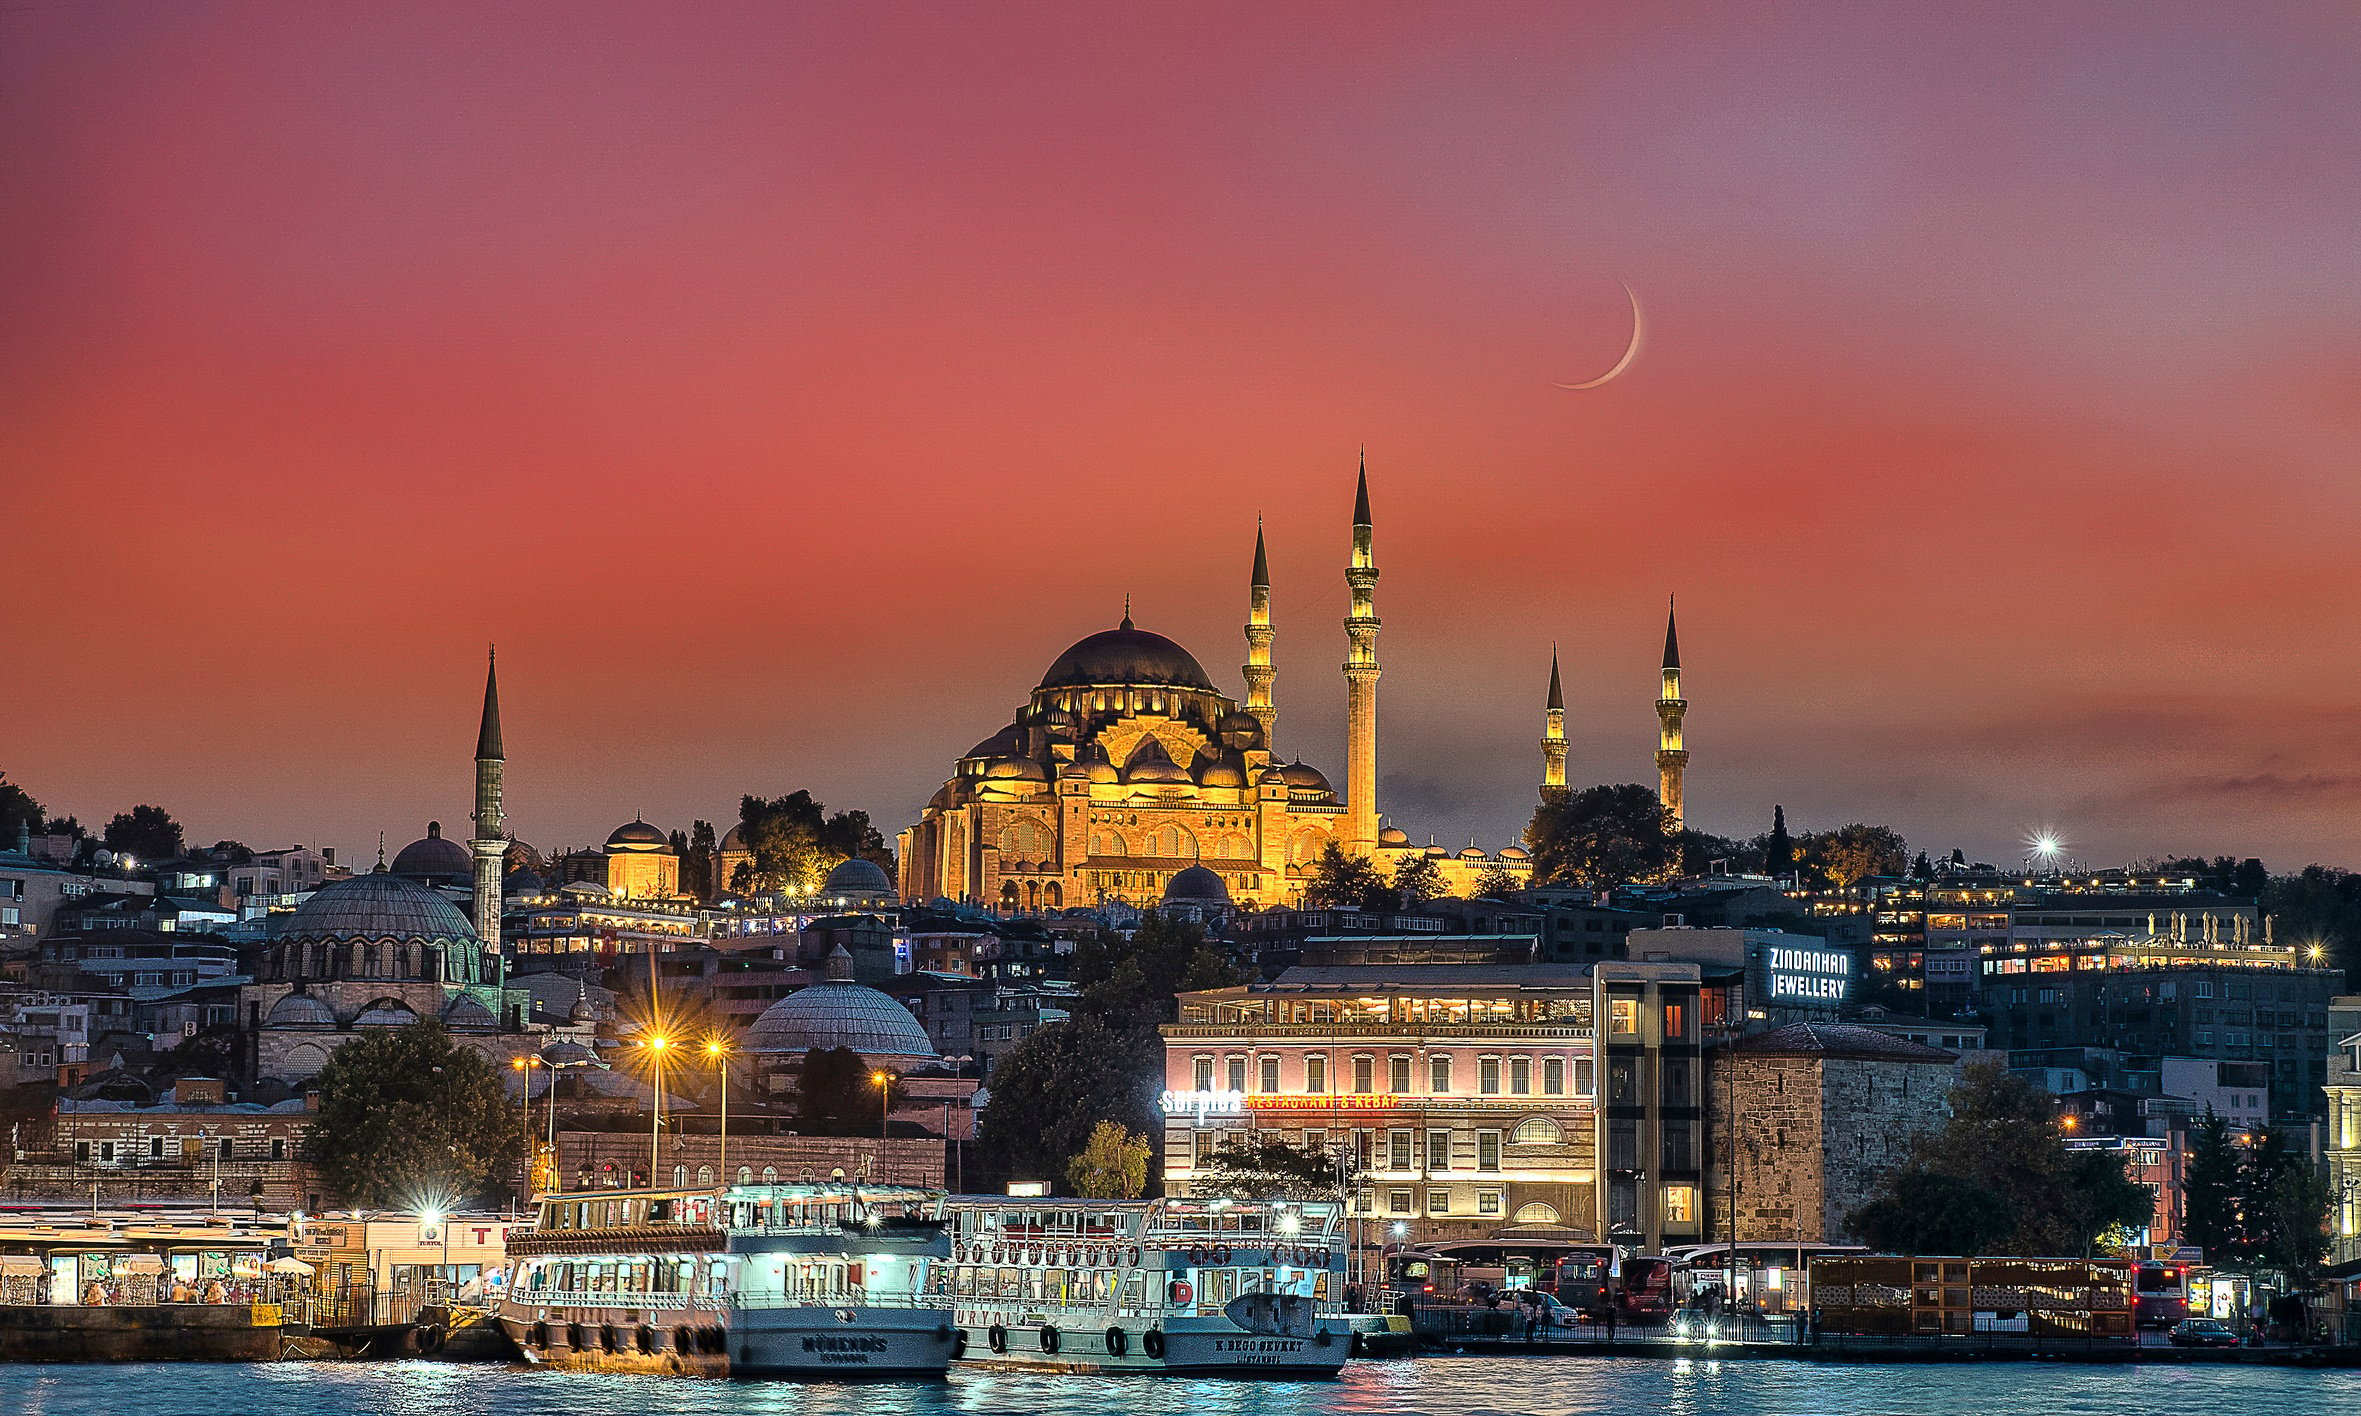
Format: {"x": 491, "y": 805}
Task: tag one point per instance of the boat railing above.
{"x": 838, "y": 1300}
{"x": 606, "y": 1298}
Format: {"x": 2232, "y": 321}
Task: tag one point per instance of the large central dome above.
{"x": 1126, "y": 656}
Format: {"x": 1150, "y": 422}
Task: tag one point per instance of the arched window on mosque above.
{"x": 1172, "y": 842}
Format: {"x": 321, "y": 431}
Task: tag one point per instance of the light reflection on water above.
{"x": 1437, "y": 1386}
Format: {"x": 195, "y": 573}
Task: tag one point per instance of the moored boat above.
{"x": 1179, "y": 1287}
{"x": 789, "y": 1280}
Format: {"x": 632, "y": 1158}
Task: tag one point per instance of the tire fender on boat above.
{"x": 996, "y": 1337}
{"x": 1152, "y": 1342}
{"x": 1117, "y": 1341}
{"x": 1049, "y": 1338}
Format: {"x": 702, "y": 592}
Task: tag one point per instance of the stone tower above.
{"x": 1360, "y": 680}
{"x": 1259, "y": 634}
{"x": 1672, "y": 757}
{"x": 1553, "y": 737}
{"x": 490, "y": 844}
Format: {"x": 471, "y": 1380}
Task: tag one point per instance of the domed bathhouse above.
{"x": 1127, "y": 767}
{"x": 367, "y": 952}
{"x": 830, "y": 1013}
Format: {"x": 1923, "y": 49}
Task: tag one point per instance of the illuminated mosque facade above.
{"x": 1128, "y": 767}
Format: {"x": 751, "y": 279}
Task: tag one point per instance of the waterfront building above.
{"x": 1464, "y": 1093}
{"x": 1810, "y": 1119}
{"x": 636, "y": 863}
{"x": 1655, "y": 1022}
{"x": 124, "y": 1143}
{"x": 2343, "y": 1135}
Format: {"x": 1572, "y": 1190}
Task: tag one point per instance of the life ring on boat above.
{"x": 1152, "y": 1342}
{"x": 1049, "y": 1338}
{"x": 1320, "y": 1259}
{"x": 996, "y": 1337}
{"x": 999, "y": 1253}
{"x": 1221, "y": 1255}
{"x": 1180, "y": 1292}
{"x": 1196, "y": 1257}
{"x": 1033, "y": 1259}
{"x": 1132, "y": 1256}
{"x": 1117, "y": 1341}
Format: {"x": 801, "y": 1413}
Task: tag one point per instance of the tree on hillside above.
{"x": 1921, "y": 1211}
{"x": 1112, "y": 1164}
{"x": 1851, "y": 854}
{"x": 697, "y": 862}
{"x": 794, "y": 843}
{"x": 407, "y": 1119}
{"x": 1262, "y": 1165}
{"x": 18, "y": 812}
{"x": 1106, "y": 1061}
{"x": 2004, "y": 1136}
{"x": 1346, "y": 882}
{"x": 1601, "y": 837}
{"x": 1778, "y": 847}
{"x": 2285, "y": 1200}
{"x": 836, "y": 1094}
{"x": 144, "y": 833}
{"x": 1495, "y": 883}
{"x": 2209, "y": 1191}
{"x": 1417, "y": 879}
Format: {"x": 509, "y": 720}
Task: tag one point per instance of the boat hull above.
{"x": 842, "y": 1343}
{"x": 1190, "y": 1348}
{"x": 687, "y": 1343}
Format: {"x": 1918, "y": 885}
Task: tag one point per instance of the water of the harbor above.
{"x": 1433, "y": 1386}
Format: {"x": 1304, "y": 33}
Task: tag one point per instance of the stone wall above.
{"x": 1815, "y": 1137}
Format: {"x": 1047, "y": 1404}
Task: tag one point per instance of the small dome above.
{"x": 1196, "y": 886}
{"x": 385, "y": 1013}
{"x": 1435, "y": 852}
{"x": 1220, "y": 772}
{"x": 1515, "y": 853}
{"x": 857, "y": 876}
{"x": 839, "y": 1013}
{"x": 1302, "y": 776}
{"x": 1475, "y": 853}
{"x": 1240, "y": 730}
{"x": 734, "y": 839}
{"x": 1151, "y": 765}
{"x": 1393, "y": 836}
{"x": 636, "y": 835}
{"x": 1126, "y": 657}
{"x": 1099, "y": 769}
{"x": 568, "y": 1054}
{"x": 375, "y": 907}
{"x": 1015, "y": 769}
{"x": 524, "y": 882}
{"x": 299, "y": 1010}
{"x": 465, "y": 1014}
{"x": 432, "y": 857}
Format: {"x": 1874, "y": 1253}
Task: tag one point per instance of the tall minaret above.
{"x": 1360, "y": 682}
{"x": 1672, "y": 758}
{"x": 490, "y": 844}
{"x": 1553, "y": 738}
{"x": 1259, "y": 634}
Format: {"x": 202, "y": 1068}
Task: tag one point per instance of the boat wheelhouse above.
{"x": 792, "y": 1280}
{"x": 1185, "y": 1287}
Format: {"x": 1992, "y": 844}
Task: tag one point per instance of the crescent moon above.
{"x": 1639, "y": 326}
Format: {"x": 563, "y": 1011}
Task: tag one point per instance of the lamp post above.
{"x": 719, "y": 1051}
{"x": 657, "y": 1045}
{"x": 524, "y": 1107}
{"x": 885, "y": 1092}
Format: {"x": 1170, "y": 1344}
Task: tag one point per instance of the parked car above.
{"x": 2200, "y": 1332}
{"x": 1547, "y": 1312}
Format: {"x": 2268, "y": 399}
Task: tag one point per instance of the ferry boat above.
{"x": 1183, "y": 1287}
{"x": 782, "y": 1280}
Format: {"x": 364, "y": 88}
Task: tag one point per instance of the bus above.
{"x": 1584, "y": 1279}
{"x": 1464, "y": 1268}
{"x": 2159, "y": 1293}
{"x": 1643, "y": 1289}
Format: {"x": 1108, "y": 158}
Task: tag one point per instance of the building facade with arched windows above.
{"x": 1465, "y": 1094}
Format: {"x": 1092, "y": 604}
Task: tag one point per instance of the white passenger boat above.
{"x": 812, "y": 1280}
{"x": 1185, "y": 1287}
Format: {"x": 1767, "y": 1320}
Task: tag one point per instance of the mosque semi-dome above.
{"x": 637, "y": 835}
{"x": 836, "y": 1012}
{"x": 1128, "y": 657}
{"x": 1153, "y": 766}
{"x": 300, "y": 1010}
{"x": 376, "y": 906}
{"x": 434, "y": 856}
{"x": 466, "y": 1014}
{"x": 1393, "y": 836}
{"x": 1220, "y": 772}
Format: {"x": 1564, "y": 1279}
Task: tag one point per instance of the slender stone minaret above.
{"x": 1553, "y": 738}
{"x": 1360, "y": 679}
{"x": 1672, "y": 758}
{"x": 1259, "y": 634}
{"x": 490, "y": 844}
